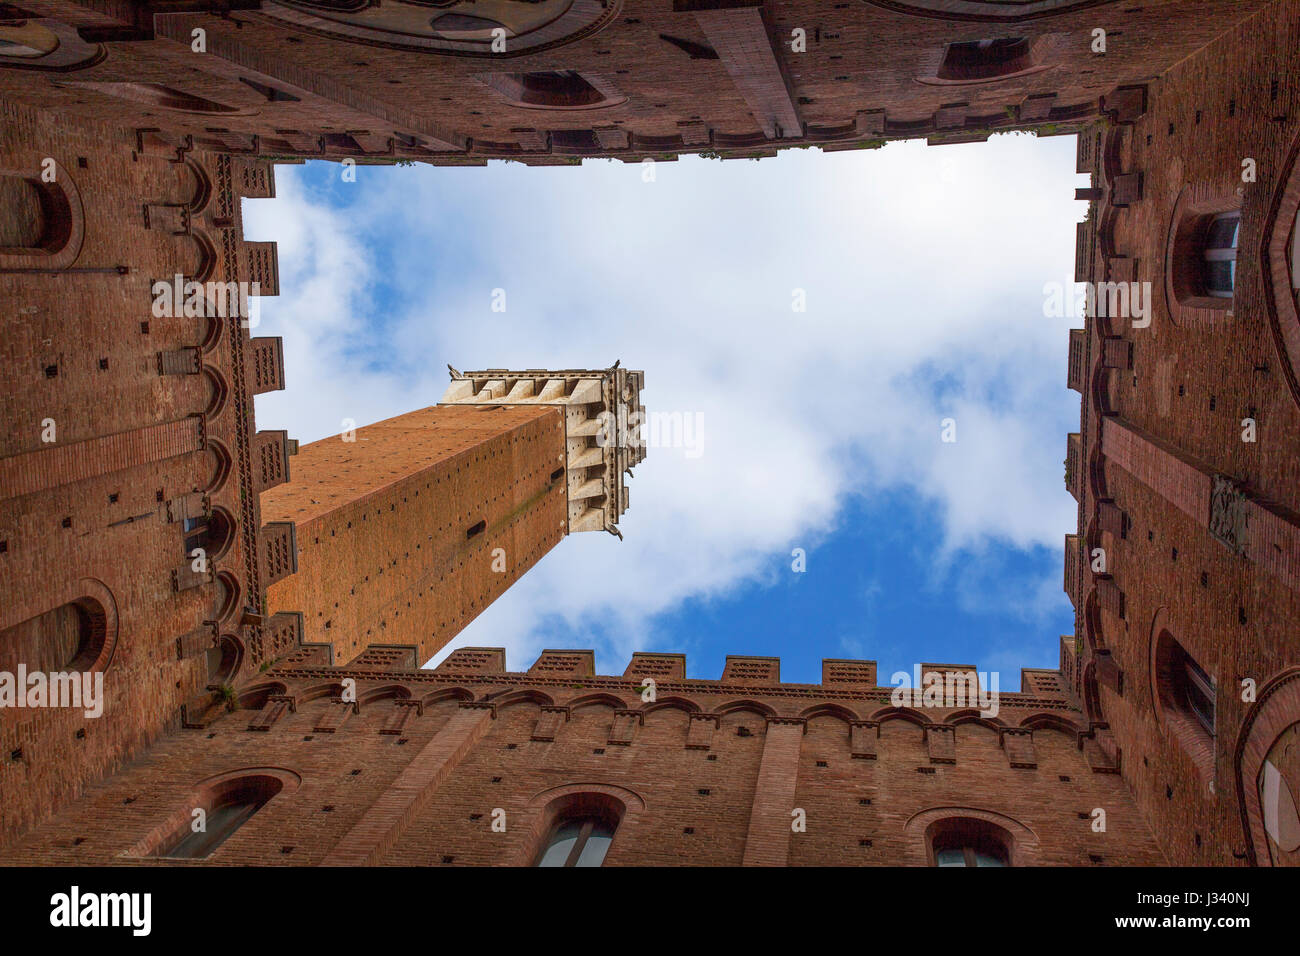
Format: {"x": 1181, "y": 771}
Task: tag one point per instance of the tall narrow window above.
{"x": 228, "y": 810}
{"x": 1277, "y": 800}
{"x": 578, "y": 841}
{"x": 152, "y": 94}
{"x": 35, "y": 217}
{"x": 68, "y": 637}
{"x": 553, "y": 89}
{"x": 1220, "y": 253}
{"x": 212, "y": 533}
{"x": 1201, "y": 254}
{"x": 1198, "y": 694}
{"x": 1185, "y": 693}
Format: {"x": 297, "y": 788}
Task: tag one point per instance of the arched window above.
{"x": 968, "y": 841}
{"x": 554, "y": 89}
{"x": 1277, "y": 801}
{"x": 226, "y": 595}
{"x": 986, "y": 59}
{"x": 221, "y": 818}
{"x": 578, "y": 841}
{"x": 1201, "y": 255}
{"x": 578, "y": 826}
{"x": 1186, "y": 694}
{"x": 217, "y": 466}
{"x": 67, "y": 638}
{"x": 35, "y": 218}
{"x": 565, "y": 88}
{"x": 1267, "y": 767}
{"x": 224, "y": 659}
{"x": 213, "y": 533}
{"x": 23, "y": 221}
{"x": 1219, "y": 251}
{"x": 226, "y": 803}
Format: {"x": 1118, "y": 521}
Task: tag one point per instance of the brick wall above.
{"x": 470, "y": 753}
{"x": 385, "y": 102}
{"x": 102, "y": 458}
{"x": 1198, "y": 524}
{"x": 385, "y": 523}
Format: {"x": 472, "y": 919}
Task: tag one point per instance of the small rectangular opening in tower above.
{"x": 474, "y": 529}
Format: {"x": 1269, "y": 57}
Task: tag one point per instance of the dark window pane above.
{"x": 221, "y": 824}
{"x": 562, "y": 843}
{"x": 593, "y": 851}
{"x": 1223, "y": 233}
{"x": 1219, "y": 276}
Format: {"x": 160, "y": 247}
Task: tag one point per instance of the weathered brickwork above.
{"x": 1193, "y": 451}
{"x": 103, "y": 457}
{"x": 468, "y": 753}
{"x": 657, "y": 78}
{"x": 390, "y": 548}
{"x": 128, "y": 440}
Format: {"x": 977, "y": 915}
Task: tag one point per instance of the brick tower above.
{"x": 408, "y": 528}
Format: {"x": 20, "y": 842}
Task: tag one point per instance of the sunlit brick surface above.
{"x": 383, "y": 523}
{"x": 1198, "y": 522}
{"x": 153, "y": 146}
{"x": 472, "y": 749}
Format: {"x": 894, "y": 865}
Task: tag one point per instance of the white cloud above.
{"x": 924, "y": 302}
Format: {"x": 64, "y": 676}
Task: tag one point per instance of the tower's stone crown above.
{"x": 602, "y": 428}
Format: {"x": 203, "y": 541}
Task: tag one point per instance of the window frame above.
{"x": 260, "y": 787}
{"x": 586, "y": 829}
{"x": 1185, "y": 698}
{"x": 1220, "y": 253}
{"x": 1199, "y": 693}
{"x": 973, "y": 837}
{"x": 970, "y": 857}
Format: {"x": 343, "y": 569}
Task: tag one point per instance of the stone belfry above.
{"x": 408, "y": 528}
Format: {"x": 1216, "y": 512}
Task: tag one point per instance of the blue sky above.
{"x": 923, "y": 271}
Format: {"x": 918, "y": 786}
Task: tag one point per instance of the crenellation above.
{"x": 261, "y": 613}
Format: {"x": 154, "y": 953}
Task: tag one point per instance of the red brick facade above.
{"x": 706, "y": 773}
{"x": 1192, "y": 485}
{"x": 95, "y": 493}
{"x": 449, "y": 500}
{"x": 280, "y": 667}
